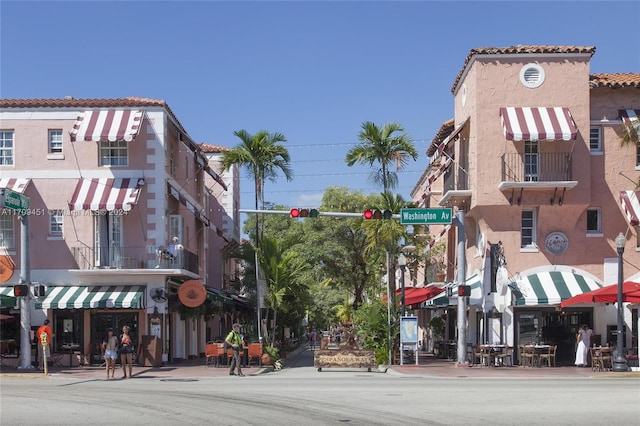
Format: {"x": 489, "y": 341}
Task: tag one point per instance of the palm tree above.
{"x": 282, "y": 269}
{"x": 631, "y": 136}
{"x": 262, "y": 155}
{"x": 384, "y": 146}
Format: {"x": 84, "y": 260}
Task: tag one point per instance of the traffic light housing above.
{"x": 377, "y": 214}
{"x": 464, "y": 290}
{"x": 298, "y": 212}
{"x": 21, "y": 290}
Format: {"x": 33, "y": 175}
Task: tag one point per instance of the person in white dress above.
{"x": 584, "y": 341}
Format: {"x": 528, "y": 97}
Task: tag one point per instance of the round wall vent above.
{"x": 532, "y": 75}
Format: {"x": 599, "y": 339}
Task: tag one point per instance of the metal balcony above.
{"x": 546, "y": 167}
{"x": 116, "y": 257}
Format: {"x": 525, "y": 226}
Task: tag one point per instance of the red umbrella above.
{"x": 608, "y": 294}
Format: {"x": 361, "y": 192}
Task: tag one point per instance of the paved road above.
{"x": 301, "y": 394}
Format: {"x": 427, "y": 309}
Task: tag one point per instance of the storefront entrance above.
{"x": 101, "y": 322}
{"x": 552, "y": 327}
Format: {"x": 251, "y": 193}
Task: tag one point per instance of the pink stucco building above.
{"x": 533, "y": 157}
{"x": 111, "y": 184}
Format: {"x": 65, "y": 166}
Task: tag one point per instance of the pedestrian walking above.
{"x": 584, "y": 341}
{"x": 234, "y": 340}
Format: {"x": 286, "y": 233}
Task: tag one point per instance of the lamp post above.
{"x": 620, "y": 362}
{"x": 402, "y": 262}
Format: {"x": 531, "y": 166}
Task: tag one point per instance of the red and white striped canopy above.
{"x": 107, "y": 125}
{"x": 17, "y": 185}
{"x": 105, "y": 194}
{"x": 630, "y": 206}
{"x": 525, "y": 123}
{"x": 438, "y": 237}
{"x": 446, "y": 162}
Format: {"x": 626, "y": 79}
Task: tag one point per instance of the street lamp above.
{"x": 620, "y": 362}
{"x": 402, "y": 262}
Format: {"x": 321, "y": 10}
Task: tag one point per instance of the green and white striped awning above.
{"x": 443, "y": 300}
{"x": 85, "y": 297}
{"x": 7, "y": 299}
{"x": 551, "y": 287}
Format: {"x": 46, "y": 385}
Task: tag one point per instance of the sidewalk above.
{"x": 303, "y": 357}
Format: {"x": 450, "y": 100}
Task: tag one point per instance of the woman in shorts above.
{"x": 110, "y": 345}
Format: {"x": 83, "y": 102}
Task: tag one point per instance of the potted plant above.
{"x": 437, "y": 327}
{"x": 270, "y": 355}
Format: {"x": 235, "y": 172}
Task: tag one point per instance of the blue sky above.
{"x": 313, "y": 71}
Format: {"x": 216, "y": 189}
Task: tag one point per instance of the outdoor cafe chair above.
{"x": 505, "y": 358}
{"x": 527, "y": 355}
{"x": 549, "y": 357}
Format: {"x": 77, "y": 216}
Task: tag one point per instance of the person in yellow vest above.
{"x": 44, "y": 342}
{"x": 234, "y": 340}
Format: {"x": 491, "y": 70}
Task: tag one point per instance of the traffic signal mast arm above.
{"x": 320, "y": 213}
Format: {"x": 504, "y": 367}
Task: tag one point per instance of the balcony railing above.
{"x": 547, "y": 167}
{"x": 116, "y": 257}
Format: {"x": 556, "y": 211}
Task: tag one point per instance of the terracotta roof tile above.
{"x": 70, "y": 102}
{"x": 615, "y": 80}
{"x": 520, "y": 49}
{"x": 213, "y": 149}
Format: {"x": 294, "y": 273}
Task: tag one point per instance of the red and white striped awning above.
{"x": 437, "y": 238}
{"x": 439, "y": 171}
{"x": 17, "y": 185}
{"x": 630, "y": 206}
{"x": 105, "y": 194}
{"x": 196, "y": 210}
{"x": 525, "y": 123}
{"x": 107, "y": 125}
{"x": 630, "y": 116}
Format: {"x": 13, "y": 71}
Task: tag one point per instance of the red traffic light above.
{"x": 21, "y": 290}
{"x": 298, "y": 212}
{"x": 377, "y": 214}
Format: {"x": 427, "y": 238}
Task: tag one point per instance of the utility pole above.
{"x": 25, "y": 302}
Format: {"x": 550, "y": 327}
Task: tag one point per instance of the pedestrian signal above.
{"x": 21, "y": 290}
{"x": 464, "y": 290}
{"x": 377, "y": 214}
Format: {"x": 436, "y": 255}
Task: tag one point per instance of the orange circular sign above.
{"x": 6, "y": 268}
{"x": 192, "y": 293}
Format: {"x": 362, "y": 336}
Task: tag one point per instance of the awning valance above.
{"x": 630, "y": 207}
{"x": 16, "y": 185}
{"x": 551, "y": 287}
{"x": 105, "y": 194}
{"x": 84, "y": 297}
{"x": 527, "y": 123}
{"x": 198, "y": 212}
{"x": 110, "y": 125}
{"x": 444, "y": 300}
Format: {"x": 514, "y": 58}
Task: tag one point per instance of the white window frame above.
{"x": 7, "y": 144}
{"x": 598, "y": 231}
{"x": 533, "y": 226}
{"x": 114, "y": 154}
{"x": 595, "y": 139}
{"x": 7, "y": 230}
{"x": 56, "y": 223}
{"x": 55, "y": 141}
{"x": 176, "y": 228}
{"x": 531, "y": 161}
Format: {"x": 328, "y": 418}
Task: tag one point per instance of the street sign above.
{"x": 13, "y": 200}
{"x": 439, "y": 216}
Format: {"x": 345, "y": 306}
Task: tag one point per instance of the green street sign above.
{"x": 13, "y": 200}
{"x": 441, "y": 216}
